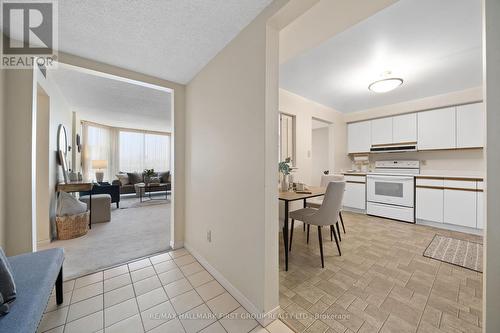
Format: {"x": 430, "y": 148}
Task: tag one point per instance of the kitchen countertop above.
{"x": 460, "y": 175}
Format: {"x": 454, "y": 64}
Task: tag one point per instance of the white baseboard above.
{"x": 452, "y": 227}
{"x": 176, "y": 245}
{"x": 263, "y": 318}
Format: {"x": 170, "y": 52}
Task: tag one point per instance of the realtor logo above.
{"x": 29, "y": 33}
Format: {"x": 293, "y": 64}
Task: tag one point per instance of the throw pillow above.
{"x": 69, "y": 205}
{"x": 154, "y": 180}
{"x": 4, "y": 307}
{"x": 123, "y": 178}
{"x": 164, "y": 177}
{"x": 135, "y": 177}
{"x": 7, "y": 284}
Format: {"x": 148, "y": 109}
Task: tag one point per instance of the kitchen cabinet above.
{"x": 404, "y": 128}
{"x": 470, "y": 125}
{"x": 480, "y": 211}
{"x": 355, "y": 195}
{"x": 429, "y": 204}
{"x": 381, "y": 130}
{"x": 460, "y": 207}
{"x": 359, "y": 137}
{"x": 437, "y": 129}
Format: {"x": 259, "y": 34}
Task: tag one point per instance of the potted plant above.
{"x": 148, "y": 174}
{"x": 284, "y": 169}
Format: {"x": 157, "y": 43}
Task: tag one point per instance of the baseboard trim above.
{"x": 264, "y": 319}
{"x": 451, "y": 227}
{"x": 176, "y": 245}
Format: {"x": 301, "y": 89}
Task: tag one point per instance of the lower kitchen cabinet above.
{"x": 460, "y": 208}
{"x": 480, "y": 210}
{"x": 429, "y": 204}
{"x": 355, "y": 195}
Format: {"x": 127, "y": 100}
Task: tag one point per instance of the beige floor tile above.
{"x": 68, "y": 285}
{"x": 186, "y": 301}
{"x": 184, "y": 260}
{"x": 259, "y": 329}
{"x": 118, "y": 295}
{"x": 200, "y": 278}
{"x": 117, "y": 282}
{"x": 112, "y": 272}
{"x": 160, "y": 258}
{"x": 85, "y": 307}
{"x": 223, "y": 304}
{"x": 177, "y": 287}
{"x": 146, "y": 285}
{"x": 142, "y": 273}
{"x": 172, "y": 326}
{"x": 53, "y": 319}
{"x": 129, "y": 325}
{"x": 165, "y": 266}
{"x": 210, "y": 290}
{"x": 214, "y": 328}
{"x": 59, "y": 329}
{"x": 88, "y": 279}
{"x": 151, "y": 298}
{"x": 52, "y": 304}
{"x": 120, "y": 312}
{"x": 238, "y": 321}
{"x": 178, "y": 253}
{"x": 170, "y": 276}
{"x": 197, "y": 319}
{"x": 158, "y": 315}
{"x": 192, "y": 268}
{"x": 139, "y": 264}
{"x": 90, "y": 323}
{"x": 86, "y": 292}
{"x": 277, "y": 326}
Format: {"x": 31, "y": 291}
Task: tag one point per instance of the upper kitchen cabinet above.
{"x": 382, "y": 131}
{"x": 437, "y": 129}
{"x": 359, "y": 137}
{"x": 470, "y": 125}
{"x": 404, "y": 128}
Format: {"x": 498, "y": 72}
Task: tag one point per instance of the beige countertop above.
{"x": 451, "y": 174}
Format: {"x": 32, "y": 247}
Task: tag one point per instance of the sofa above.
{"x": 127, "y": 181}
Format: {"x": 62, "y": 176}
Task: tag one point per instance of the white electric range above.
{"x": 390, "y": 190}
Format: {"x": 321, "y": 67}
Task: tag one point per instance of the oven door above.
{"x": 394, "y": 190}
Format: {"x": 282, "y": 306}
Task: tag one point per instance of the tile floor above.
{"x": 170, "y": 292}
{"x": 381, "y": 283}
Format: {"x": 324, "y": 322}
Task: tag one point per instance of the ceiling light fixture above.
{"x": 385, "y": 85}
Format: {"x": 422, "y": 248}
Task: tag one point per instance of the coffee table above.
{"x": 152, "y": 188}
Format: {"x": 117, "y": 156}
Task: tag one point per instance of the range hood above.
{"x": 394, "y": 147}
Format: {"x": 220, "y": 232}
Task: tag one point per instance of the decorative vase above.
{"x": 284, "y": 183}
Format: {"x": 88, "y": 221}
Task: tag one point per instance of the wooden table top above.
{"x": 74, "y": 187}
{"x": 292, "y": 196}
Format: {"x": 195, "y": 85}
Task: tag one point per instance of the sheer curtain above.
{"x": 143, "y": 150}
{"x": 99, "y": 143}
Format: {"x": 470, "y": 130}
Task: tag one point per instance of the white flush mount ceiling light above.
{"x": 385, "y": 85}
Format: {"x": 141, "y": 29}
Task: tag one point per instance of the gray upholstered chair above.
{"x": 326, "y": 215}
{"x": 101, "y": 207}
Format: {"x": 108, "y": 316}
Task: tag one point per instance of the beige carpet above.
{"x": 136, "y": 230}
{"x": 455, "y": 251}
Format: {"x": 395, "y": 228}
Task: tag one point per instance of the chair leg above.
{"x": 59, "y": 288}
{"x": 342, "y": 221}
{"x": 321, "y": 247}
{"x": 338, "y": 230}
{"x": 304, "y": 226}
{"x": 291, "y": 235}
{"x": 331, "y": 235}
{"x": 308, "y": 227}
{"x": 332, "y": 227}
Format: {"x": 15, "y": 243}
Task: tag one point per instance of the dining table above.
{"x": 290, "y": 196}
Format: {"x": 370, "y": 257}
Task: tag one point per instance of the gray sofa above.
{"x": 136, "y": 178}
{"x": 34, "y": 275}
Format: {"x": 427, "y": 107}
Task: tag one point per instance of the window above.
{"x": 286, "y": 137}
{"x": 98, "y": 145}
{"x": 142, "y": 150}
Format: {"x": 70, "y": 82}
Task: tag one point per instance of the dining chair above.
{"x": 323, "y": 216}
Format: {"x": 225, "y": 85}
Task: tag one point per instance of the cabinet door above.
{"x": 354, "y": 196}
{"x": 460, "y": 208}
{"x": 437, "y": 129}
{"x": 404, "y": 128}
{"x": 470, "y": 125}
{"x": 381, "y": 131}
{"x": 430, "y": 204}
{"x": 480, "y": 210}
{"x": 359, "y": 137}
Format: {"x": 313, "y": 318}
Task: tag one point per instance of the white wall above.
{"x": 491, "y": 276}
{"x": 2, "y": 160}
{"x": 227, "y": 146}
{"x": 320, "y": 154}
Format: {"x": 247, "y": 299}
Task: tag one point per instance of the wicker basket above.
{"x": 72, "y": 226}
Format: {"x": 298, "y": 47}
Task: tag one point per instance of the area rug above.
{"x": 455, "y": 251}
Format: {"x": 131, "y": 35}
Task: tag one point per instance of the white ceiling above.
{"x": 170, "y": 39}
{"x": 435, "y": 46}
{"x": 113, "y": 102}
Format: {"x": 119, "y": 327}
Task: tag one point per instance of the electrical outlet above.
{"x": 209, "y": 236}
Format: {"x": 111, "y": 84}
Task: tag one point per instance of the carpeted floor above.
{"x": 136, "y": 230}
